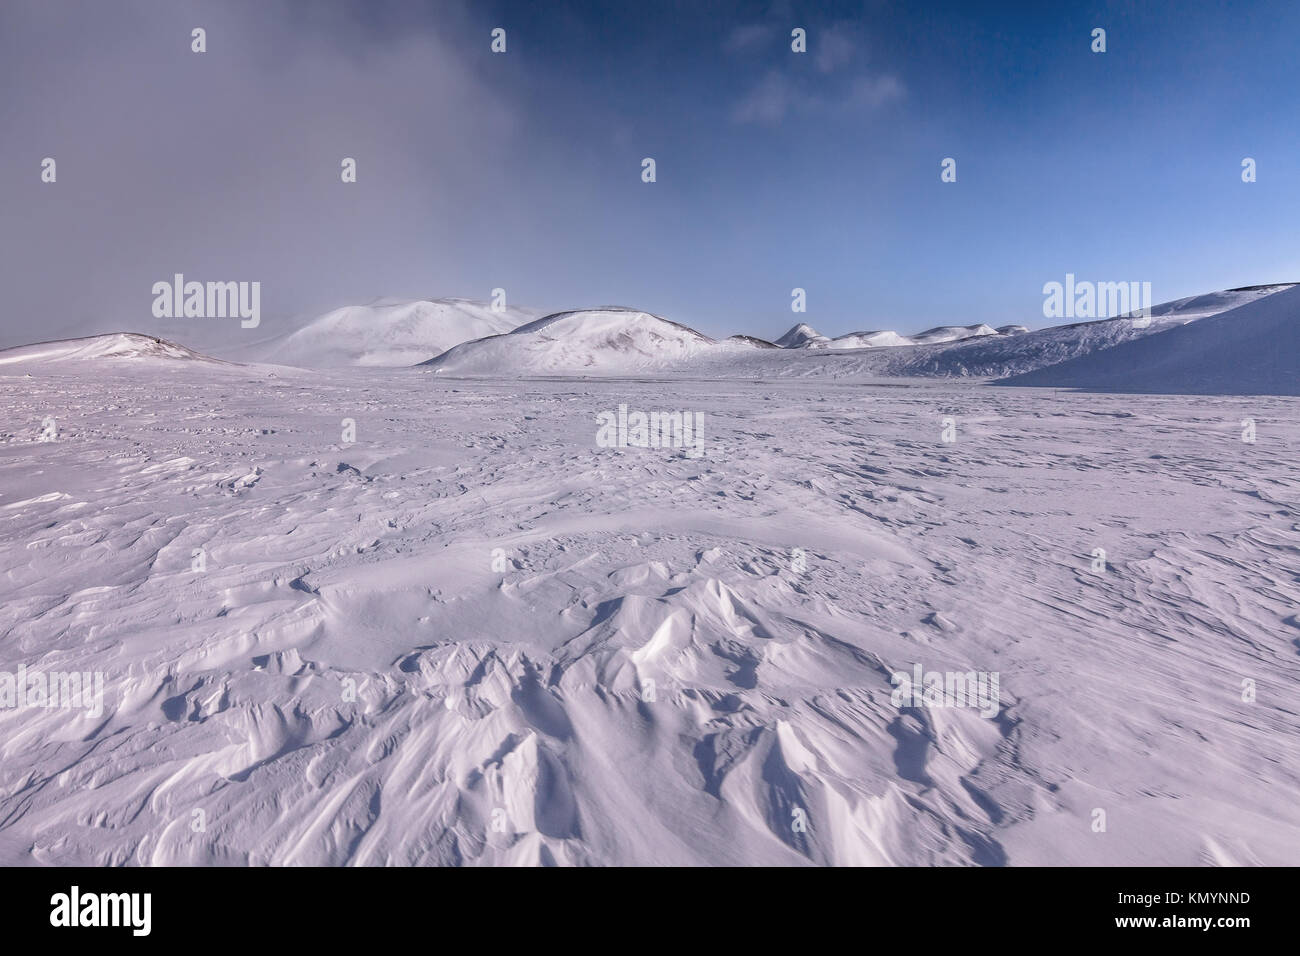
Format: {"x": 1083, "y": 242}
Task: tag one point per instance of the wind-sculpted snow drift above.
{"x": 473, "y": 636}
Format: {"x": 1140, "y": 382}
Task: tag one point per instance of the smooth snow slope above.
{"x": 114, "y": 345}
{"x": 1251, "y": 350}
{"x": 390, "y": 332}
{"x": 608, "y": 340}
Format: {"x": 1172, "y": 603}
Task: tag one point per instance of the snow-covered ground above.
{"x": 501, "y": 591}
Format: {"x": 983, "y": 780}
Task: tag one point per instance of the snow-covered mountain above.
{"x": 606, "y": 340}
{"x": 114, "y": 345}
{"x": 617, "y": 340}
{"x": 460, "y": 337}
{"x": 799, "y": 336}
{"x": 890, "y": 339}
{"x": 1253, "y": 349}
{"x": 390, "y": 332}
{"x": 1009, "y": 350}
{"x": 862, "y": 340}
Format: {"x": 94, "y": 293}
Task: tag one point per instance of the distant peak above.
{"x": 800, "y": 335}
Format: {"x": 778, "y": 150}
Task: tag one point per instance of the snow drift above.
{"x": 1250, "y": 350}
{"x": 476, "y": 637}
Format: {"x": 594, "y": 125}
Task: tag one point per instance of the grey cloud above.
{"x": 225, "y": 165}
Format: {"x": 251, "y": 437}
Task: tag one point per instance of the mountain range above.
{"x": 1248, "y": 347}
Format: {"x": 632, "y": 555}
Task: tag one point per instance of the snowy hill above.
{"x": 804, "y": 336}
{"x": 799, "y": 336}
{"x": 608, "y": 340}
{"x": 114, "y": 345}
{"x": 1250, "y": 350}
{"x": 891, "y": 339}
{"x": 863, "y": 340}
{"x": 1009, "y": 350}
{"x": 390, "y": 332}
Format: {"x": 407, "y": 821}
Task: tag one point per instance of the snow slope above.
{"x": 608, "y": 340}
{"x": 474, "y": 637}
{"x": 1253, "y": 349}
{"x": 389, "y": 332}
{"x": 804, "y": 336}
{"x": 1009, "y": 352}
{"x": 863, "y": 340}
{"x": 799, "y": 336}
{"x": 114, "y": 345}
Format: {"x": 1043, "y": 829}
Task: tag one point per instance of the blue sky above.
{"x": 521, "y": 170}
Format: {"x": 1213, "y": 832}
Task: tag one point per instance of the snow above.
{"x": 799, "y": 336}
{"x": 1248, "y": 350}
{"x": 115, "y": 345}
{"x": 803, "y": 336}
{"x": 388, "y": 332}
{"x": 981, "y": 356}
{"x": 608, "y": 340}
{"x": 864, "y": 340}
{"x": 421, "y": 616}
{"x": 501, "y": 592}
{"x": 620, "y": 341}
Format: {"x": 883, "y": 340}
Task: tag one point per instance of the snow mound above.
{"x": 952, "y": 333}
{"x": 115, "y": 345}
{"x": 750, "y": 341}
{"x": 799, "y": 336}
{"x": 1253, "y": 349}
{"x": 887, "y": 338}
{"x": 611, "y": 339}
{"x": 390, "y": 332}
{"x": 864, "y": 340}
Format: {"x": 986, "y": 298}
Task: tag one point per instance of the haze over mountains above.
{"x": 389, "y": 332}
